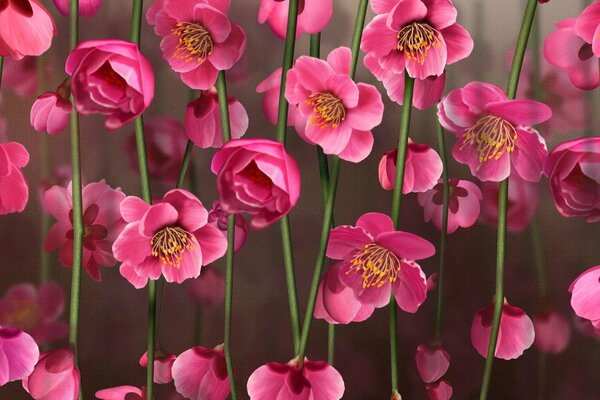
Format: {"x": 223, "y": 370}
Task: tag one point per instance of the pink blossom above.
{"x": 516, "y": 332}
{"x": 14, "y": 191}
{"x": 200, "y": 373}
{"x": 101, "y": 219}
{"x": 493, "y": 132}
{"x": 587, "y": 26}
{"x": 552, "y": 332}
{"x": 441, "y": 390}
{"x": 18, "y": 355}
{"x": 50, "y": 113}
{"x": 423, "y": 168}
{"x": 55, "y": 377}
{"x": 26, "y": 28}
{"x": 110, "y": 77}
{"x": 21, "y": 75}
{"x": 432, "y": 362}
{"x": 419, "y": 35}
{"x": 87, "y": 8}
{"x": 270, "y": 102}
{"x": 256, "y": 176}
{"x": 463, "y": 204}
{"x": 585, "y": 296}
{"x": 198, "y": 39}
{"x": 35, "y": 311}
{"x": 218, "y": 218}
{"x": 122, "y": 393}
{"x": 379, "y": 262}
{"x": 163, "y": 364}
{"x": 313, "y": 15}
{"x": 208, "y": 289}
{"x": 171, "y": 237}
{"x": 203, "y": 120}
{"x": 573, "y": 171}
{"x": 312, "y": 380}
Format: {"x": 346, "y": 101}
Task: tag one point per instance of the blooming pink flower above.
{"x": 419, "y": 35}
{"x": 110, "y": 77}
{"x": 122, "y": 393}
{"x": 218, "y": 218}
{"x": 379, "y": 261}
{"x": 18, "y": 355}
{"x": 573, "y": 171}
{"x": 493, "y": 131}
{"x": 203, "y": 120}
{"x": 198, "y": 40}
{"x": 270, "y": 102}
{"x": 170, "y": 237}
{"x": 423, "y": 168}
{"x": 26, "y": 28}
{"x": 256, "y": 176}
{"x": 34, "y": 311}
{"x": 21, "y": 75}
{"x": 585, "y": 295}
{"x": 208, "y": 289}
{"x": 516, "y": 332}
{"x": 201, "y": 373}
{"x": 552, "y": 332}
{"x": 163, "y": 364}
{"x": 101, "y": 219}
{"x": 441, "y": 390}
{"x": 50, "y": 113}
{"x": 432, "y": 362}
{"x": 14, "y": 192}
{"x": 87, "y": 8}
{"x": 463, "y": 204}
{"x": 55, "y": 377}
{"x": 312, "y": 380}
{"x": 313, "y": 15}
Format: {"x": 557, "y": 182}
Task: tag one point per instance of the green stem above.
{"x": 184, "y": 164}
{"x": 393, "y": 344}
{"x": 359, "y": 25}
{"x": 444, "y": 234}
{"x": 331, "y": 344}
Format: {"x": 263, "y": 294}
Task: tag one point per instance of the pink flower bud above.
{"x": 50, "y": 113}
{"x": 87, "y": 8}
{"x": 432, "y": 362}
{"x": 55, "y": 377}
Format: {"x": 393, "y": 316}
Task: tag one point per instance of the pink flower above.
{"x": 201, "y": 373}
{"x": 432, "y": 362}
{"x": 101, "y": 219}
{"x": 516, "y": 332}
{"x": 198, "y": 40}
{"x": 441, "y": 390}
{"x": 14, "y": 192}
{"x": 55, "y": 377}
{"x": 573, "y": 171}
{"x": 256, "y": 176}
{"x": 18, "y": 355}
{"x": 423, "y": 168}
{"x": 21, "y": 75}
{"x": 110, "y": 77}
{"x": 379, "y": 261}
{"x": 122, "y": 393}
{"x": 61, "y": 175}
{"x": 552, "y": 332}
{"x": 270, "y": 102}
{"x": 463, "y": 204}
{"x": 50, "y": 113}
{"x": 208, "y": 289}
{"x": 171, "y": 237}
{"x": 494, "y": 132}
{"x": 585, "y": 296}
{"x": 218, "y": 218}
{"x": 313, "y": 15}
{"x": 163, "y": 364}
{"x": 87, "y": 8}
{"x": 419, "y": 35}
{"x": 203, "y": 120}
{"x": 35, "y": 311}
{"x": 26, "y": 28}
{"x": 313, "y": 380}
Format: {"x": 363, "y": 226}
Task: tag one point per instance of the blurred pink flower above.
{"x": 18, "y": 355}
{"x": 87, "y": 8}
{"x": 441, "y": 390}
{"x": 432, "y": 362}
{"x": 516, "y": 332}
{"x": 203, "y": 120}
{"x": 256, "y": 176}
{"x": 171, "y": 237}
{"x": 55, "y": 376}
{"x": 61, "y": 175}
{"x": 21, "y": 75}
{"x": 50, "y": 112}
{"x": 163, "y": 364}
{"x": 313, "y": 15}
{"x": 334, "y": 112}
{"x": 208, "y": 289}
{"x": 552, "y": 332}
{"x": 35, "y": 311}
{"x": 201, "y": 373}
{"x": 122, "y": 393}
{"x": 270, "y": 102}
{"x": 313, "y": 380}
{"x": 14, "y": 191}
{"x": 493, "y": 131}
{"x": 218, "y": 218}
{"x": 101, "y": 219}
{"x": 110, "y": 77}
{"x": 585, "y": 296}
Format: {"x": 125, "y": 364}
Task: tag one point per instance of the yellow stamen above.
{"x": 195, "y": 42}
{"x": 416, "y": 39}
{"x": 170, "y": 243}
{"x": 328, "y": 110}
{"x": 493, "y": 136}
{"x": 377, "y": 265}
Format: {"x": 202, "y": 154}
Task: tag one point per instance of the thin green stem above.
{"x": 359, "y": 25}
{"x": 315, "y": 45}
{"x": 393, "y": 344}
{"x": 290, "y": 279}
{"x": 331, "y": 344}
{"x": 184, "y": 164}
{"x": 444, "y": 233}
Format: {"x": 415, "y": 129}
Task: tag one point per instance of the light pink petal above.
{"x": 587, "y": 23}
{"x": 344, "y": 240}
{"x": 432, "y": 362}
{"x": 326, "y": 382}
{"x": 406, "y": 245}
{"x": 339, "y": 59}
{"x": 410, "y": 290}
{"x": 459, "y": 43}
{"x": 521, "y": 112}
{"x": 130, "y": 246}
{"x": 133, "y": 208}
{"x": 529, "y": 155}
{"x": 561, "y": 48}
{"x": 375, "y": 223}
{"x": 191, "y": 212}
{"x": 127, "y": 270}
{"x": 156, "y": 218}
{"x": 368, "y": 113}
{"x": 441, "y": 390}
{"x": 585, "y": 294}
{"x": 212, "y": 243}
{"x": 359, "y": 146}
{"x": 18, "y": 355}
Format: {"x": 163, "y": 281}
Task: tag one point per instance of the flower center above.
{"x": 25, "y": 315}
{"x": 328, "y": 110}
{"x": 170, "y": 243}
{"x": 416, "y": 39}
{"x": 377, "y": 265}
{"x": 493, "y": 136}
{"x": 254, "y": 174}
{"x": 108, "y": 74}
{"x": 195, "y": 42}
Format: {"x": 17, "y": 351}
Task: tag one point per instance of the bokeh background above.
{"x": 113, "y": 313}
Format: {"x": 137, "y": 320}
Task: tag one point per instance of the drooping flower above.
{"x": 198, "y": 39}
{"x": 55, "y": 376}
{"x": 463, "y": 204}
{"x": 270, "y": 102}
{"x": 101, "y": 220}
{"x": 22, "y": 76}
{"x": 552, "y": 332}
{"x": 203, "y": 120}
{"x": 163, "y": 364}
{"x": 585, "y": 296}
{"x": 122, "y": 393}
{"x": 87, "y": 8}
{"x": 380, "y": 261}
{"x": 14, "y": 191}
{"x": 18, "y": 355}
{"x": 207, "y": 290}
{"x": 218, "y": 218}
{"x": 432, "y": 362}
{"x": 441, "y": 390}
{"x": 110, "y": 77}
{"x": 311, "y": 380}
{"x": 493, "y": 132}
{"x": 256, "y": 176}
{"x": 50, "y": 111}
{"x": 201, "y": 373}
{"x": 516, "y": 332}
{"x": 313, "y": 15}
{"x": 170, "y": 238}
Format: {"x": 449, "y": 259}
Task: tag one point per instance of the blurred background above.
{"x": 113, "y": 313}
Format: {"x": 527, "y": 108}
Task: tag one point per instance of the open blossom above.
{"x": 379, "y": 261}
{"x": 122, "y": 393}
{"x": 170, "y": 238}
{"x": 494, "y": 132}
{"x": 87, "y": 8}
{"x": 432, "y": 362}
{"x": 552, "y": 332}
{"x": 22, "y": 75}
{"x": 102, "y": 223}
{"x": 50, "y": 112}
{"x": 163, "y": 364}
{"x": 201, "y": 373}
{"x": 270, "y": 102}
{"x": 441, "y": 390}
{"x": 334, "y": 112}
{"x": 312, "y": 380}
{"x": 218, "y": 218}
{"x": 585, "y": 296}
{"x": 55, "y": 377}
{"x": 14, "y": 191}
{"x": 256, "y": 176}
{"x": 313, "y": 15}
{"x": 110, "y": 77}
{"x": 198, "y": 39}
{"x": 207, "y": 290}
{"x": 18, "y": 355}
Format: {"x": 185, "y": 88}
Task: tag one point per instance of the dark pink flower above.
{"x": 14, "y": 191}
{"x": 218, "y": 218}
{"x": 207, "y": 290}
{"x": 201, "y": 373}
{"x": 87, "y": 8}
{"x": 432, "y": 362}
{"x": 50, "y": 113}
{"x": 21, "y": 75}
{"x": 313, "y": 15}
{"x": 122, "y": 393}
{"x": 441, "y": 390}
{"x": 18, "y": 355}
{"x": 163, "y": 364}
{"x": 585, "y": 296}
{"x": 55, "y": 377}
{"x": 552, "y": 332}
{"x": 270, "y": 102}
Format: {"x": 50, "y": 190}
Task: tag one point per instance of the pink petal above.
{"x": 406, "y": 245}
{"x": 359, "y": 146}
{"x": 344, "y": 240}
{"x": 521, "y": 112}
{"x": 368, "y": 113}
{"x": 410, "y": 290}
